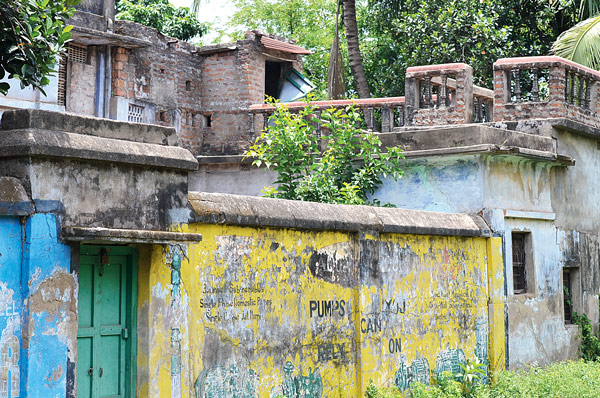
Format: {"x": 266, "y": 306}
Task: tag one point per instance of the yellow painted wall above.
{"x": 273, "y": 312}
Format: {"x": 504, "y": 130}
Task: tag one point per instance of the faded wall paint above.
{"x": 259, "y": 312}
{"x": 38, "y": 301}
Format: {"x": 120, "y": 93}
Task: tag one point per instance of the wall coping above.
{"x": 218, "y": 208}
{"x": 57, "y": 144}
{"x": 88, "y": 125}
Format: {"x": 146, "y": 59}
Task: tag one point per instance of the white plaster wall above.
{"x": 228, "y": 178}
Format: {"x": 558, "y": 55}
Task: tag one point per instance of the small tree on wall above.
{"x": 346, "y": 171}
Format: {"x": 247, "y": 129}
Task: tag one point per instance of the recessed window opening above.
{"x": 522, "y": 266}
{"x": 272, "y": 78}
{"x": 208, "y": 120}
{"x": 568, "y": 295}
{"x": 188, "y": 85}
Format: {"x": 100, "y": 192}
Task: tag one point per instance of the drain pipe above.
{"x": 108, "y": 81}
{"x": 99, "y": 97}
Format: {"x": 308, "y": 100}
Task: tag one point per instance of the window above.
{"x": 572, "y": 296}
{"x": 523, "y": 267}
{"x": 135, "y": 114}
{"x": 519, "y": 258}
{"x": 568, "y": 296}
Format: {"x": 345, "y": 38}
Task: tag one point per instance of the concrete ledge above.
{"x": 90, "y": 235}
{"x": 215, "y": 208}
{"x": 492, "y": 149}
{"x": 32, "y": 142}
{"x": 435, "y": 137}
{"x": 87, "y": 125}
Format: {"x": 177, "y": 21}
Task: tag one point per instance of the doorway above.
{"x": 106, "y": 335}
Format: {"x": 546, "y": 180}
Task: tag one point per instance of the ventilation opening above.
{"x": 135, "y": 113}
{"x": 62, "y": 80}
{"x": 188, "y": 85}
{"x": 77, "y": 53}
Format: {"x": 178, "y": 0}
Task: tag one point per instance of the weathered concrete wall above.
{"x": 81, "y": 78}
{"x": 92, "y": 180}
{"x": 531, "y": 193}
{"x": 38, "y": 308}
{"x": 261, "y": 311}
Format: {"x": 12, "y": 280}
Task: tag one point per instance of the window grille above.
{"x": 62, "y": 80}
{"x": 135, "y": 114}
{"x": 519, "y": 263}
{"x": 77, "y": 53}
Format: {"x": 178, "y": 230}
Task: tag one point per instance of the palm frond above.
{"x": 581, "y": 43}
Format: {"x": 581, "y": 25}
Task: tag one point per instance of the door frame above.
{"x": 130, "y": 307}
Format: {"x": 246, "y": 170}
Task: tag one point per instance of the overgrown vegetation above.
{"x": 33, "y": 35}
{"x": 579, "y": 379}
{"x": 178, "y": 22}
{"x": 343, "y": 165}
{"x": 590, "y": 345}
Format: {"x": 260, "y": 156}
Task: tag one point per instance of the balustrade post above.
{"x": 489, "y": 111}
{"x": 251, "y": 123}
{"x": 442, "y": 95}
{"x": 401, "y": 116}
{"x": 517, "y": 73}
{"x": 587, "y": 93}
{"x": 535, "y": 90}
{"x": 387, "y": 121}
{"x": 370, "y": 118}
{"x": 572, "y": 89}
{"x": 580, "y": 92}
{"x": 428, "y": 96}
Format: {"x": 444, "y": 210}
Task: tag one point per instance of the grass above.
{"x": 579, "y": 379}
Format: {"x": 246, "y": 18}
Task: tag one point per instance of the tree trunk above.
{"x": 356, "y": 65}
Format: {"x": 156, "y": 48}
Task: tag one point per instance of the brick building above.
{"x": 126, "y": 71}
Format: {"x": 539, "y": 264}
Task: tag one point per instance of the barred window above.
{"x": 520, "y": 259}
{"x": 135, "y": 114}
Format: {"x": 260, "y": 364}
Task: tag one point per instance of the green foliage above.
{"x": 581, "y": 43}
{"x": 566, "y": 380}
{"x": 33, "y": 35}
{"x": 470, "y": 376}
{"x": 178, "y": 22}
{"x": 346, "y": 171}
{"x": 590, "y": 345}
{"x": 310, "y": 22}
{"x": 379, "y": 392}
{"x": 478, "y": 32}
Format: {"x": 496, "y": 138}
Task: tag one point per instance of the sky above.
{"x": 212, "y": 11}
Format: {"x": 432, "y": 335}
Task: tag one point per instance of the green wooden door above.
{"x": 105, "y": 338}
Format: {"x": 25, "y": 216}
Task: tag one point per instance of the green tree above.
{"x": 404, "y": 33}
{"x": 178, "y": 22}
{"x": 311, "y": 23}
{"x": 580, "y": 43}
{"x": 354, "y": 53}
{"x": 346, "y": 171}
{"x": 33, "y": 35}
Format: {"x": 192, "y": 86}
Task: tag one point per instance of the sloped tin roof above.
{"x": 279, "y": 45}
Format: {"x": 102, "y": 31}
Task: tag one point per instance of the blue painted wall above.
{"x": 37, "y": 300}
